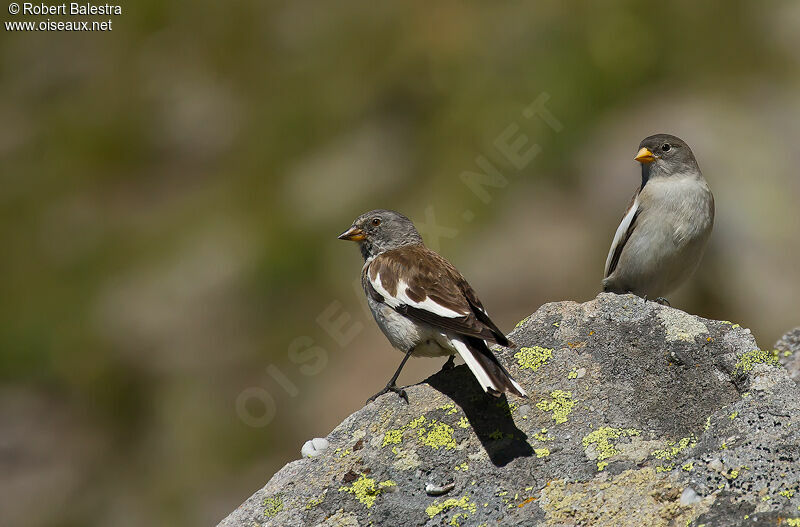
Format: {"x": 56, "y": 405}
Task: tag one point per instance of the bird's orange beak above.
{"x": 644, "y": 156}
{"x": 353, "y": 234}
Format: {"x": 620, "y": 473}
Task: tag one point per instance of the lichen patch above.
{"x": 560, "y": 404}
{"x": 680, "y": 325}
{"x": 462, "y": 503}
{"x": 273, "y": 505}
{"x": 533, "y": 358}
{"x": 634, "y": 497}
{"x": 366, "y": 490}
{"x": 600, "y": 444}
{"x": 747, "y": 361}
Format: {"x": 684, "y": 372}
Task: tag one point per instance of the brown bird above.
{"x": 422, "y": 303}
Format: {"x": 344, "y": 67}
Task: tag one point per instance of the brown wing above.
{"x": 422, "y": 285}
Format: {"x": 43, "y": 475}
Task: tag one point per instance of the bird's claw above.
{"x": 660, "y": 300}
{"x": 390, "y": 388}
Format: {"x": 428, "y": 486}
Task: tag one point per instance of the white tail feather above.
{"x": 475, "y": 367}
{"x": 518, "y": 387}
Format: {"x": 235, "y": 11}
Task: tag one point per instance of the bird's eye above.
{"x": 376, "y": 222}
{"x": 666, "y": 147}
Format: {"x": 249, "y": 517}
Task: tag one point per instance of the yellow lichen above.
{"x": 463, "y": 422}
{"x": 542, "y": 436}
{"x": 455, "y": 519}
{"x": 432, "y": 433}
{"x": 416, "y": 422}
{"x": 450, "y": 407}
{"x": 366, "y": 491}
{"x": 439, "y": 435}
{"x": 573, "y": 374}
{"x": 733, "y": 416}
{"x": 521, "y": 322}
{"x": 507, "y": 408}
{"x": 634, "y": 497}
{"x": 733, "y": 474}
{"x": 688, "y": 466}
{"x": 602, "y": 439}
{"x": 561, "y": 405}
{"x": 674, "y": 448}
{"x": 313, "y": 501}
{"x": 533, "y": 358}
{"x": 541, "y": 452}
{"x": 747, "y": 361}
{"x": 392, "y": 437}
{"x": 462, "y": 466}
{"x": 793, "y": 522}
{"x": 462, "y": 503}
{"x": 788, "y": 493}
{"x": 273, "y": 505}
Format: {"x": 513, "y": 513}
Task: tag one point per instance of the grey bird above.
{"x": 422, "y": 303}
{"x": 663, "y": 234}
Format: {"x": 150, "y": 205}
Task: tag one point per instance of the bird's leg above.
{"x": 663, "y": 301}
{"x": 450, "y": 364}
{"x": 391, "y": 386}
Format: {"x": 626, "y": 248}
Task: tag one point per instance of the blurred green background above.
{"x": 171, "y": 192}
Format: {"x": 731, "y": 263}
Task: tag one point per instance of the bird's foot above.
{"x": 450, "y": 364}
{"x": 660, "y": 300}
{"x": 390, "y": 388}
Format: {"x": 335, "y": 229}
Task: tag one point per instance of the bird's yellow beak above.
{"x": 353, "y": 234}
{"x": 644, "y": 156}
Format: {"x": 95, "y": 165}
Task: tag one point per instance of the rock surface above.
{"x": 788, "y": 348}
{"x": 639, "y": 414}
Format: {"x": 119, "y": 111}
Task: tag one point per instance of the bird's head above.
{"x": 665, "y": 155}
{"x": 381, "y": 230}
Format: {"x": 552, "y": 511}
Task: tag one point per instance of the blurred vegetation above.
{"x": 170, "y": 194}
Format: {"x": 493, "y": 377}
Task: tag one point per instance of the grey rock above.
{"x": 788, "y": 348}
{"x": 672, "y": 420}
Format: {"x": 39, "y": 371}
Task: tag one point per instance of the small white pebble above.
{"x": 314, "y": 447}
{"x": 689, "y": 496}
{"x": 438, "y": 490}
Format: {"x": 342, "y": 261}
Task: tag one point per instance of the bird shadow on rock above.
{"x": 490, "y": 417}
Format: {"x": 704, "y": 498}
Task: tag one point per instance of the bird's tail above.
{"x": 491, "y": 375}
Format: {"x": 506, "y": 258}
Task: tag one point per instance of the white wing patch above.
{"x": 402, "y": 298}
{"x": 621, "y": 231}
{"x": 378, "y": 286}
